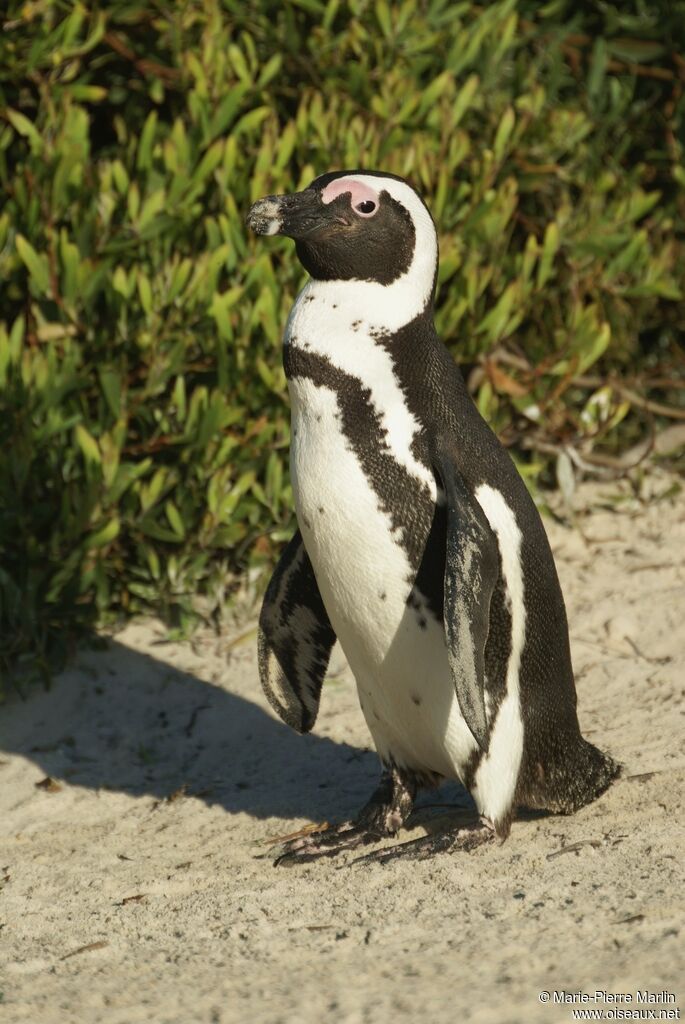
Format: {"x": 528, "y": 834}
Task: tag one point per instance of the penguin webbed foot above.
{"x": 464, "y": 838}
{"x": 383, "y": 816}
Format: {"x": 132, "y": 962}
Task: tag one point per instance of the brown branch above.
{"x": 155, "y": 444}
{"x": 144, "y": 65}
{"x": 638, "y": 69}
{"x": 588, "y": 462}
{"x": 645, "y": 403}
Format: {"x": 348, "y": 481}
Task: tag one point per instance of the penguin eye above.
{"x": 367, "y": 207}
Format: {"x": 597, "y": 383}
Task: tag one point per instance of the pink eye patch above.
{"x": 359, "y": 193}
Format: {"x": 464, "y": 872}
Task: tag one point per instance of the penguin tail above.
{"x": 566, "y": 775}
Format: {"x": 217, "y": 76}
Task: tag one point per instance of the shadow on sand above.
{"x": 130, "y": 723}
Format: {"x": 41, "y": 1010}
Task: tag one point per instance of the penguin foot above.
{"x": 382, "y": 816}
{"x": 346, "y": 836}
{"x": 465, "y": 837}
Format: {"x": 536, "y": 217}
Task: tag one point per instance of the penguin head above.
{"x": 355, "y": 226}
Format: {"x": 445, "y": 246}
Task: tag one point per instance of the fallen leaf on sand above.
{"x": 86, "y": 949}
{"x": 304, "y": 831}
{"x": 49, "y": 785}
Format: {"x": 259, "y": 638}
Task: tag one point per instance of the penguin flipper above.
{"x": 471, "y": 571}
{"x": 295, "y": 639}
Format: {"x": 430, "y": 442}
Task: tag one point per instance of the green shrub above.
{"x": 143, "y": 413}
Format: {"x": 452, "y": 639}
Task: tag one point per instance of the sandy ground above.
{"x": 136, "y": 885}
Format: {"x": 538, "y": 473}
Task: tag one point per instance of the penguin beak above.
{"x": 297, "y": 215}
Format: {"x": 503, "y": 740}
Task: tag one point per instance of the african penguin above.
{"x": 419, "y": 547}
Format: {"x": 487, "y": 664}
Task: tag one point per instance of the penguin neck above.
{"x": 355, "y": 324}
{"x": 381, "y": 308}
{"x": 377, "y": 308}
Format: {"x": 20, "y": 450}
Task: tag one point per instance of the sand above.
{"x": 137, "y": 794}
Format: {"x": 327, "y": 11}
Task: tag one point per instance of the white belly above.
{"x": 403, "y": 676}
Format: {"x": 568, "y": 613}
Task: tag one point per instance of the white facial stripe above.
{"x": 391, "y": 306}
{"x": 496, "y": 778}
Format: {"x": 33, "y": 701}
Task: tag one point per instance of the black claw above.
{"x": 302, "y": 856}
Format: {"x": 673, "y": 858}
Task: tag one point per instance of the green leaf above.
{"x": 383, "y": 17}
{"x": 120, "y": 175}
{"x": 87, "y": 444}
{"x": 504, "y": 130}
{"x": 636, "y": 50}
{"x": 147, "y": 138}
{"x": 150, "y": 493}
{"x": 270, "y": 70}
{"x": 440, "y": 86}
{"x": 210, "y": 161}
{"x": 497, "y": 319}
{"x": 145, "y": 292}
{"x": 464, "y": 99}
{"x": 590, "y": 354}
{"x": 550, "y": 247}
{"x": 26, "y": 128}
{"x": 175, "y": 520}
{"x": 228, "y": 108}
{"x": 151, "y": 207}
{"x": 253, "y": 119}
{"x": 37, "y": 265}
{"x": 104, "y": 535}
{"x": 597, "y": 68}
{"x": 133, "y": 201}
{"x": 239, "y": 64}
{"x": 110, "y": 382}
